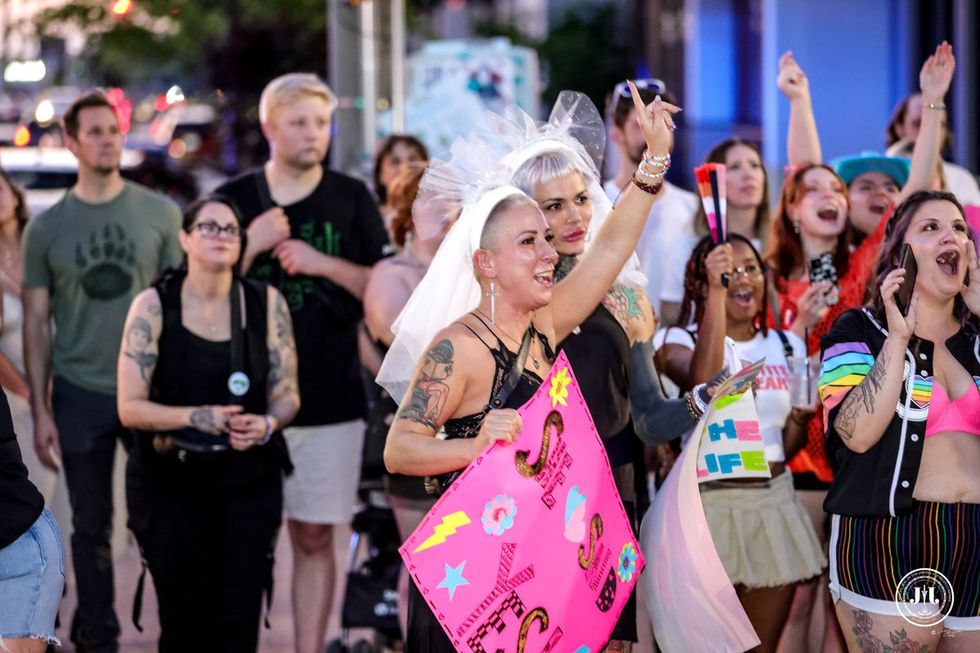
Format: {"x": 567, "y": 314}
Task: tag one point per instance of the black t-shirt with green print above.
{"x": 339, "y": 218}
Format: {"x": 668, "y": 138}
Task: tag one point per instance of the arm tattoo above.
{"x": 428, "y": 395}
{"x": 139, "y": 339}
{"x": 203, "y": 420}
{"x": 284, "y": 323}
{"x": 282, "y": 354}
{"x": 624, "y": 304}
{"x": 861, "y": 401}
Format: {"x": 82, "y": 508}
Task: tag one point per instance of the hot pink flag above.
{"x": 530, "y": 548}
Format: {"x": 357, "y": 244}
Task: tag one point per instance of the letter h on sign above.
{"x": 726, "y": 428}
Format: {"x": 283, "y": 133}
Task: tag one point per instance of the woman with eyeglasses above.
{"x": 207, "y": 380}
{"x": 761, "y": 532}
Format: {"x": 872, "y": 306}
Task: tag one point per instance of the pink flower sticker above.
{"x": 498, "y": 514}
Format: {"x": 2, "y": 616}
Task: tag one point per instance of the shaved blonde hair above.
{"x": 290, "y": 88}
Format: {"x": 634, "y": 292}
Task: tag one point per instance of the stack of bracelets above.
{"x": 649, "y": 176}
{"x": 696, "y": 404}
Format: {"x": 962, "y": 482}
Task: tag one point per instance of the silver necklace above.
{"x": 534, "y": 361}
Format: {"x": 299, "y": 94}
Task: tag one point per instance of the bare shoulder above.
{"x": 466, "y": 347}
{"x": 275, "y": 299}
{"x": 148, "y": 300}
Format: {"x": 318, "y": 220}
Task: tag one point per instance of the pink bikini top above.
{"x": 962, "y": 415}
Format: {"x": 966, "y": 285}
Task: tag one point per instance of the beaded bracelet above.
{"x": 696, "y": 393}
{"x": 648, "y": 188}
{"x": 650, "y": 175}
{"x": 691, "y": 408}
{"x": 938, "y": 106}
{"x": 662, "y": 161}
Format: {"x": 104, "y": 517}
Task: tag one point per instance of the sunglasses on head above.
{"x": 655, "y": 86}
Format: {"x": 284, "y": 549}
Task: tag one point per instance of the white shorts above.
{"x": 323, "y": 486}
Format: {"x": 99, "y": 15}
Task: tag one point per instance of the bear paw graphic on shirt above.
{"x": 106, "y": 262}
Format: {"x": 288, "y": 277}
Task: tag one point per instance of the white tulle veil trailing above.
{"x": 471, "y": 183}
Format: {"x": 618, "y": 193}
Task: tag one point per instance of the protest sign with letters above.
{"x": 530, "y": 548}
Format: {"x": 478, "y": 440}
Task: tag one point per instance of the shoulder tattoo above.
{"x": 428, "y": 395}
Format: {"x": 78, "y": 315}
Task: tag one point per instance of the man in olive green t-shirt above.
{"x": 85, "y": 258}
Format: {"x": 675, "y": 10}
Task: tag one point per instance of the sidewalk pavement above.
{"x": 277, "y": 639}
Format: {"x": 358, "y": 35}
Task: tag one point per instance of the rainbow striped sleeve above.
{"x": 844, "y": 366}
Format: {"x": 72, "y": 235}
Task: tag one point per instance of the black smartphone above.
{"x": 822, "y": 269}
{"x": 903, "y": 296}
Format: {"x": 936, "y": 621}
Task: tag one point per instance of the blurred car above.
{"x": 188, "y": 132}
{"x": 45, "y": 173}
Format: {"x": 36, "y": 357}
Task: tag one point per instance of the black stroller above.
{"x": 371, "y": 596}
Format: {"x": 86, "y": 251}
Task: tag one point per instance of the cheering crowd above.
{"x": 226, "y": 349}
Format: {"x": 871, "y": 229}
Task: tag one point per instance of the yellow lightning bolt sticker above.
{"x": 559, "y": 387}
{"x": 442, "y": 531}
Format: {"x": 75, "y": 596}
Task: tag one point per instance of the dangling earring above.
{"x": 796, "y": 228}
{"x": 492, "y": 294}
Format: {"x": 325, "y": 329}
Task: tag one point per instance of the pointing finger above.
{"x": 637, "y": 101}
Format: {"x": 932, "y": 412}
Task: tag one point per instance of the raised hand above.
{"x": 719, "y": 262}
{"x": 971, "y": 284}
{"x": 656, "y": 122}
{"x": 937, "y": 74}
{"x": 792, "y": 80}
{"x": 899, "y": 326}
{"x": 812, "y": 304}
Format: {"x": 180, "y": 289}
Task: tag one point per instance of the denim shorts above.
{"x": 32, "y": 577}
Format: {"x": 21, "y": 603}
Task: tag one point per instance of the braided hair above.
{"x": 696, "y": 282}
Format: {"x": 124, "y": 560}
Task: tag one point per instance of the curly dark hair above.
{"x": 696, "y": 281}
{"x": 891, "y": 250}
{"x": 401, "y": 196}
{"x": 20, "y": 211}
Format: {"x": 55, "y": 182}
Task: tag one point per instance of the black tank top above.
{"x": 193, "y": 371}
{"x": 503, "y": 360}
{"x": 600, "y": 355}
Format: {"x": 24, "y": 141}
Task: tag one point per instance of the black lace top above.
{"x": 469, "y": 425}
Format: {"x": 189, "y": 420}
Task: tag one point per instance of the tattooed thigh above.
{"x": 868, "y": 632}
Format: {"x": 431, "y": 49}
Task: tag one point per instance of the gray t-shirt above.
{"x": 94, "y": 259}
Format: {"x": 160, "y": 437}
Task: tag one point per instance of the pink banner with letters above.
{"x": 530, "y": 548}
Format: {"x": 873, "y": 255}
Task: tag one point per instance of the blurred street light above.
{"x": 121, "y": 8}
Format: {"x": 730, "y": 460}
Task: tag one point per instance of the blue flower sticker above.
{"x": 498, "y": 514}
{"x": 626, "y": 568}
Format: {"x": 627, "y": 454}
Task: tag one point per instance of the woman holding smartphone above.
{"x": 902, "y": 395}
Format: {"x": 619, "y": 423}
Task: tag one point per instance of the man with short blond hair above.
{"x": 314, "y": 234}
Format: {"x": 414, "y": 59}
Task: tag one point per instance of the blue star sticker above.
{"x": 454, "y": 578}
